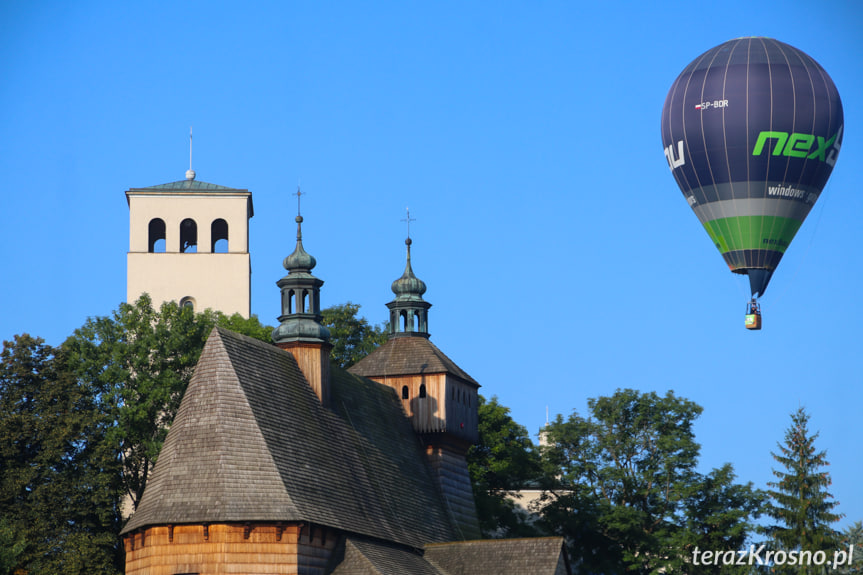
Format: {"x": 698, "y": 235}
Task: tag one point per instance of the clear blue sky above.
{"x": 562, "y": 261}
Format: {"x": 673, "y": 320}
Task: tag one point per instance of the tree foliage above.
{"x": 59, "y": 478}
{"x": 251, "y": 326}
{"x": 140, "y": 360}
{"x": 501, "y": 463}
{"x": 623, "y": 487}
{"x": 800, "y": 501}
{"x": 12, "y": 544}
{"x": 853, "y": 535}
{"x": 352, "y": 337}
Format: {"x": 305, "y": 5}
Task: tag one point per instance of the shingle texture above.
{"x": 365, "y": 557}
{"x": 538, "y": 556}
{"x": 251, "y": 442}
{"x": 408, "y": 356}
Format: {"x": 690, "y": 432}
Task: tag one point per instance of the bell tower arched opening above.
{"x": 219, "y": 236}
{"x": 189, "y": 236}
{"x": 156, "y": 236}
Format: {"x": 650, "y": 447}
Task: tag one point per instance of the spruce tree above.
{"x": 801, "y": 503}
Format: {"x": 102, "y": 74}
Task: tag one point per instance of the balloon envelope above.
{"x": 751, "y": 131}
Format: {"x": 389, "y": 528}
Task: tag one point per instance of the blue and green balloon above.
{"x": 751, "y": 130}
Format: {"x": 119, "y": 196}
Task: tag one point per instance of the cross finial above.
{"x": 299, "y": 194}
{"x": 408, "y": 219}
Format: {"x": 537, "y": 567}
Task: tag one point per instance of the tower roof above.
{"x": 408, "y": 288}
{"x": 251, "y": 442}
{"x": 299, "y": 260}
{"x": 408, "y": 356}
{"x": 189, "y": 186}
{"x": 301, "y": 314}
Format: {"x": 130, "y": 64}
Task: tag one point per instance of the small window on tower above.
{"x": 405, "y": 393}
{"x": 423, "y": 390}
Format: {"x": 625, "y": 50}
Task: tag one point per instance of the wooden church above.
{"x": 279, "y": 462}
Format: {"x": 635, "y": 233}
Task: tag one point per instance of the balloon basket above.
{"x": 753, "y": 315}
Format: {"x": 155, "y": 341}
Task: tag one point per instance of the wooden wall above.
{"x": 450, "y": 405}
{"x": 314, "y": 361}
{"x": 254, "y": 549}
{"x": 461, "y": 408}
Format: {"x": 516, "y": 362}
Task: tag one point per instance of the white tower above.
{"x": 189, "y": 242}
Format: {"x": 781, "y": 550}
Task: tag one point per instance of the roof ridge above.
{"x": 543, "y": 538}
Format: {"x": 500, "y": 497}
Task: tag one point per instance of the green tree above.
{"x": 140, "y": 360}
{"x": 12, "y": 544}
{"x": 800, "y": 501}
{"x": 59, "y": 480}
{"x": 853, "y": 535}
{"x": 352, "y": 337}
{"x": 251, "y": 326}
{"x": 622, "y": 487}
{"x": 718, "y": 516}
{"x": 501, "y": 463}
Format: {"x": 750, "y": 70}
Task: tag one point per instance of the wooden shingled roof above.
{"x": 251, "y": 442}
{"x": 408, "y": 356}
{"x": 537, "y": 556}
{"x": 529, "y": 556}
{"x": 358, "y": 556}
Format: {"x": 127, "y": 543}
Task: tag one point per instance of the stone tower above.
{"x": 189, "y": 243}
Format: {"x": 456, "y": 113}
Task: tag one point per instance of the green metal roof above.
{"x": 193, "y": 186}
{"x": 189, "y": 185}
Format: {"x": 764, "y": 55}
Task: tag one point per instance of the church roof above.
{"x": 538, "y": 556}
{"x": 252, "y": 442}
{"x": 364, "y": 557}
{"x": 408, "y": 356}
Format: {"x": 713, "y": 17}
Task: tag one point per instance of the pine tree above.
{"x": 801, "y": 502}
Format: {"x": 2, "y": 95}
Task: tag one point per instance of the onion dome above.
{"x": 409, "y": 287}
{"x": 299, "y": 261}
{"x": 301, "y": 304}
{"x": 408, "y": 311}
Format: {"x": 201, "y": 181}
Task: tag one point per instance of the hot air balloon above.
{"x": 751, "y": 131}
